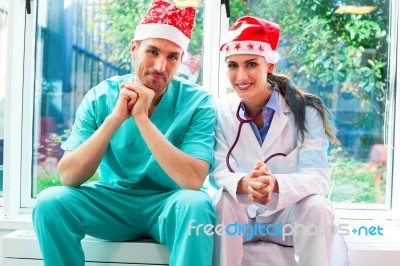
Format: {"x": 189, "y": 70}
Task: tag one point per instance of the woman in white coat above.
{"x": 271, "y": 167}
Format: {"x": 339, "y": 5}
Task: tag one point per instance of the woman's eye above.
{"x": 251, "y": 64}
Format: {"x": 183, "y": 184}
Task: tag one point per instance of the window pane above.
{"x": 340, "y": 55}
{"x": 3, "y": 57}
{"x": 79, "y": 44}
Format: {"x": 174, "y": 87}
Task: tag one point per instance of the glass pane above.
{"x": 79, "y": 44}
{"x": 3, "y": 55}
{"x": 339, "y": 54}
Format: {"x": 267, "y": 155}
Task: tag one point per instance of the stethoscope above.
{"x": 241, "y": 122}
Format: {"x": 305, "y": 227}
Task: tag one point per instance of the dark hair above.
{"x": 297, "y": 100}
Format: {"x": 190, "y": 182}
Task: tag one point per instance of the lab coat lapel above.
{"x": 278, "y": 124}
{"x": 248, "y": 136}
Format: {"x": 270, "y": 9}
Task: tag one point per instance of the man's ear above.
{"x": 270, "y": 68}
{"x": 133, "y": 48}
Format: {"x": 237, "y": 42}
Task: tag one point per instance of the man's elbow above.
{"x": 66, "y": 177}
{"x": 193, "y": 186}
{"x": 197, "y": 182}
{"x": 67, "y": 180}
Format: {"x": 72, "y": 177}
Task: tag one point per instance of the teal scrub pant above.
{"x": 63, "y": 215}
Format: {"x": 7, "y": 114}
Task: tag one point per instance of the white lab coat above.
{"x": 302, "y": 173}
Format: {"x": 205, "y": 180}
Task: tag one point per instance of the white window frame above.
{"x": 29, "y": 101}
{"x": 214, "y": 31}
{"x": 13, "y": 109}
{"x": 18, "y": 114}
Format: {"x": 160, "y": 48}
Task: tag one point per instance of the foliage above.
{"x": 48, "y": 150}
{"x": 338, "y": 53}
{"x": 46, "y": 180}
{"x": 122, "y": 17}
{"x": 323, "y": 51}
{"x": 354, "y": 181}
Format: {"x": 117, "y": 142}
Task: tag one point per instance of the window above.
{"x": 76, "y": 45}
{"x": 342, "y": 56}
{"x": 348, "y": 59}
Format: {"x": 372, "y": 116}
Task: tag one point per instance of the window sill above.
{"x": 364, "y": 249}
{"x": 372, "y": 234}
{"x": 389, "y": 239}
{"x": 21, "y": 221}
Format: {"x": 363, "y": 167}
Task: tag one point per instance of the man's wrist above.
{"x": 141, "y": 119}
{"x": 114, "y": 121}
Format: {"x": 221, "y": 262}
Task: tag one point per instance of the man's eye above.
{"x": 153, "y": 52}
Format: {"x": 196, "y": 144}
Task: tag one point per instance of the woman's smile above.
{"x": 244, "y": 86}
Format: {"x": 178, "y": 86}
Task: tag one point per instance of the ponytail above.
{"x": 297, "y": 100}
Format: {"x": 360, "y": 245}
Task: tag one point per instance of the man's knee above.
{"x": 195, "y": 204}
{"x": 49, "y": 201}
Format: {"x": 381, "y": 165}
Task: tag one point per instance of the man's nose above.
{"x": 160, "y": 65}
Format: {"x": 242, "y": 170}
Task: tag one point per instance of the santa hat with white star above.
{"x": 251, "y": 35}
{"x": 166, "y": 21}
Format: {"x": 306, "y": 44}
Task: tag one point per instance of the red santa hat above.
{"x": 251, "y": 35}
{"x": 166, "y": 21}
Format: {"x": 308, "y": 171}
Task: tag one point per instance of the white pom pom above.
{"x": 271, "y": 57}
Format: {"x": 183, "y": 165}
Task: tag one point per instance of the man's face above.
{"x": 156, "y": 62}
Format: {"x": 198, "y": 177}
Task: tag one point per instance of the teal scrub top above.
{"x": 185, "y": 116}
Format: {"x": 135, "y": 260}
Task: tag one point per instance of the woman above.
{"x": 271, "y": 162}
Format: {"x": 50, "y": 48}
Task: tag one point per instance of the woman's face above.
{"x": 248, "y": 75}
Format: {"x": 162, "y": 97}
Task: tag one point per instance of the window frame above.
{"x": 18, "y": 114}
{"x": 13, "y": 118}
{"x": 28, "y": 111}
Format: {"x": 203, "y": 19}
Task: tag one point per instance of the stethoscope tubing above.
{"x": 241, "y": 122}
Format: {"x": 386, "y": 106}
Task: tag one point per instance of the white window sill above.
{"x": 21, "y": 221}
{"x": 368, "y": 238}
{"x": 389, "y": 240}
{"x": 365, "y": 250}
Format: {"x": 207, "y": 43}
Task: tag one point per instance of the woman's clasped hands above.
{"x": 261, "y": 183}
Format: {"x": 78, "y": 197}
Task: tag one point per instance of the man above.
{"x": 151, "y": 136}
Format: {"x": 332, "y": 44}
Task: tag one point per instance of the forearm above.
{"x": 186, "y": 171}
{"x": 79, "y": 165}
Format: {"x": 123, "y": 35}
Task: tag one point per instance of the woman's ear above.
{"x": 270, "y": 68}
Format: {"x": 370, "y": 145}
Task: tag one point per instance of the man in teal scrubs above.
{"x": 151, "y": 135}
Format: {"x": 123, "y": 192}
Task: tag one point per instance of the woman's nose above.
{"x": 241, "y": 74}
